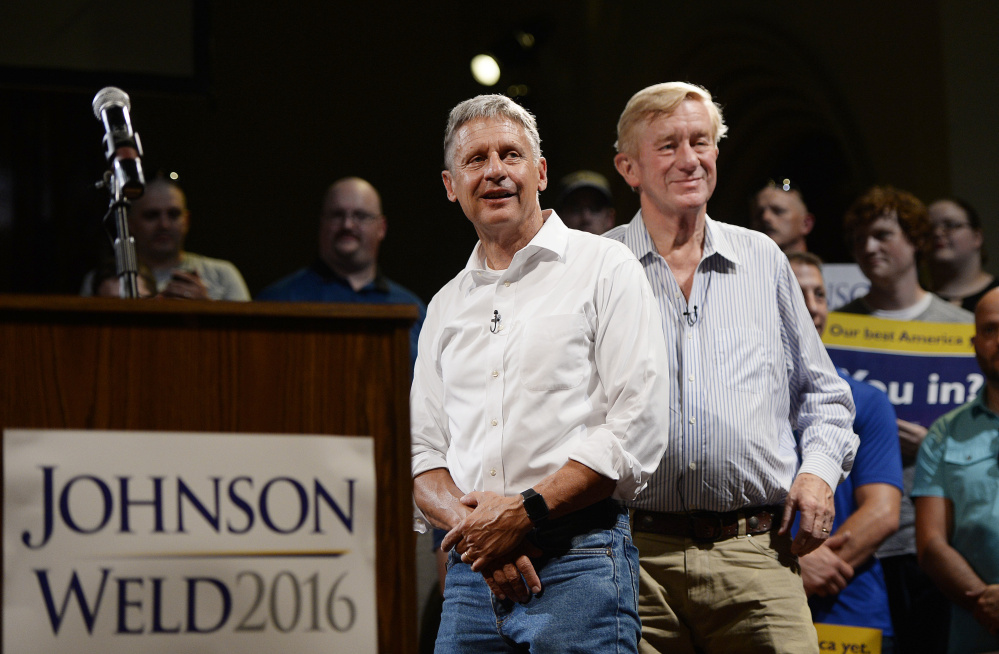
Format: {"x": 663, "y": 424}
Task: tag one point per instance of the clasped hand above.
{"x": 823, "y": 572}
{"x": 186, "y": 285}
{"x": 491, "y": 538}
{"x": 986, "y": 609}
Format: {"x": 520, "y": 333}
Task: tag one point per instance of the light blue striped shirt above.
{"x": 748, "y": 373}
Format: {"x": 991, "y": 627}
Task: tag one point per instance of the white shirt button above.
{"x": 495, "y": 373}
{"x": 692, "y": 465}
{"x": 693, "y": 419}
{"x": 690, "y": 378}
{"x": 493, "y": 423}
{"x": 689, "y": 336}
{"x": 507, "y": 284}
{"x": 492, "y": 472}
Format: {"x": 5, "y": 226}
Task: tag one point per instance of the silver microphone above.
{"x": 121, "y": 142}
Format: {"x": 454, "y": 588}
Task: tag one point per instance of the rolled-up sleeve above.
{"x": 630, "y": 357}
{"x": 428, "y": 423}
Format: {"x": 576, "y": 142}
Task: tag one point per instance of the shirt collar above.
{"x": 636, "y": 232}
{"x": 549, "y": 244}
{"x": 980, "y": 405}
{"x": 379, "y": 283}
{"x": 715, "y": 240}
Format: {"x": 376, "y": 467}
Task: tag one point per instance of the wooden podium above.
{"x": 294, "y": 368}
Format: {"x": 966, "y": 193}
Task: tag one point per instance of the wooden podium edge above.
{"x": 396, "y": 600}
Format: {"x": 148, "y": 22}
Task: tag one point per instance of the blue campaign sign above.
{"x": 927, "y": 369}
{"x": 922, "y": 388}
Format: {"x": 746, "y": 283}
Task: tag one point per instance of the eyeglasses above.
{"x": 360, "y": 217}
{"x": 948, "y": 226}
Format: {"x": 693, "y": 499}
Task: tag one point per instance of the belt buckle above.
{"x": 705, "y": 527}
{"x": 759, "y": 522}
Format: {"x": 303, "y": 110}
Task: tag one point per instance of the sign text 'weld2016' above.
{"x": 279, "y": 603}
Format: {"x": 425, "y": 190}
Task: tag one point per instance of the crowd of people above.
{"x": 630, "y": 437}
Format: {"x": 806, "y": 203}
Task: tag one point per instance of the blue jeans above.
{"x": 588, "y": 602}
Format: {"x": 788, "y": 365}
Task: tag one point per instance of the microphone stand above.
{"x": 125, "y": 261}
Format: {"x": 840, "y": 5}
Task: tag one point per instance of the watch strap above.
{"x": 535, "y": 505}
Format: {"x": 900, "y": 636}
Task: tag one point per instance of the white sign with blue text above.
{"x": 180, "y": 542}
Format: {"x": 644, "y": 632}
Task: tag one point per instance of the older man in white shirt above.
{"x": 536, "y": 407}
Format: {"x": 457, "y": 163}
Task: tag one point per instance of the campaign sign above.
{"x": 927, "y": 369}
{"x": 178, "y": 542}
{"x": 844, "y": 283}
{"x": 848, "y": 640}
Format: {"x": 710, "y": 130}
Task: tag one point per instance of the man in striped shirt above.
{"x": 719, "y": 568}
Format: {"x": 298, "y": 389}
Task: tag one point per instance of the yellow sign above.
{"x": 851, "y": 331}
{"x": 848, "y": 640}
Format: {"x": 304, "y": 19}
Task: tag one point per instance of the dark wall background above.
{"x": 277, "y": 102}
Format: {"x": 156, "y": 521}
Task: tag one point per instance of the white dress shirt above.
{"x": 747, "y": 370}
{"x": 573, "y": 370}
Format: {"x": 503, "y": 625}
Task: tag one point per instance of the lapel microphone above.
{"x": 691, "y": 320}
{"x": 495, "y": 321}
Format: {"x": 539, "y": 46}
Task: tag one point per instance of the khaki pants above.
{"x": 742, "y": 594}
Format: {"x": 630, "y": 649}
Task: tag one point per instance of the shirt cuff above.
{"x": 824, "y": 467}
{"x": 427, "y": 461}
{"x": 601, "y": 452}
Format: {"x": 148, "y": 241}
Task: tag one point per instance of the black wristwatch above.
{"x": 535, "y": 505}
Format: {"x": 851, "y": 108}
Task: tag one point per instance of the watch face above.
{"x": 535, "y": 505}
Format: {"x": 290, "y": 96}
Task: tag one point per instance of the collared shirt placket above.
{"x": 695, "y": 418}
{"x": 687, "y": 446}
{"x": 498, "y": 360}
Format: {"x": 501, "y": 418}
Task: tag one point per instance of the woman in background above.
{"x": 954, "y": 262}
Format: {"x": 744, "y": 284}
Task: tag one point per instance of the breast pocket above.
{"x": 555, "y": 352}
{"x": 743, "y": 360}
{"x": 973, "y": 472}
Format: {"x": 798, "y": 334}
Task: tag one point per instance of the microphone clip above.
{"x": 691, "y": 317}
{"x": 495, "y": 321}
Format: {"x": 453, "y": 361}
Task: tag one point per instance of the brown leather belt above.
{"x": 706, "y": 525}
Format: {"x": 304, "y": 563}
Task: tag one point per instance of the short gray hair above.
{"x": 489, "y": 106}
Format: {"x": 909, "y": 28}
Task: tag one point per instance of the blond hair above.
{"x": 663, "y": 99}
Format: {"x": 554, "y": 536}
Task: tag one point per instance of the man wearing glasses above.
{"x": 956, "y": 491}
{"x": 351, "y": 229}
